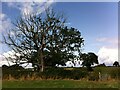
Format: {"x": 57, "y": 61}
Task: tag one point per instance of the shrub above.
{"x": 93, "y": 76}
{"x": 115, "y": 73}
{"x": 56, "y": 73}
{"x": 106, "y": 72}
{"x": 78, "y": 74}
{"x": 64, "y": 73}
{"x": 61, "y": 73}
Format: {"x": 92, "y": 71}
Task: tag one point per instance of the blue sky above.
{"x": 97, "y": 22}
{"x": 94, "y": 20}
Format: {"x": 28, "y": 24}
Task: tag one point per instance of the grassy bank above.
{"x": 60, "y": 84}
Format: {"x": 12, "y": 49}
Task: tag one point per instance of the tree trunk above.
{"x": 42, "y": 61}
{"x": 41, "y": 55}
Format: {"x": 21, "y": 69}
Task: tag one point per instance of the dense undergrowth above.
{"x": 98, "y": 73}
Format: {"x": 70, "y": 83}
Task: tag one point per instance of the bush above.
{"x": 93, "y": 76}
{"x": 57, "y": 73}
{"x": 14, "y": 71}
{"x": 49, "y": 73}
{"x": 115, "y": 73}
{"x": 64, "y": 73}
{"x": 106, "y": 72}
{"x": 78, "y": 74}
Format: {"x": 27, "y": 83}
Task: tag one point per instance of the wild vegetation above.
{"x": 98, "y": 73}
{"x": 101, "y": 77}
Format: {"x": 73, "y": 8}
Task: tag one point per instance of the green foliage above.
{"x": 43, "y": 40}
{"x": 79, "y": 74}
{"x": 116, "y": 63}
{"x": 89, "y": 59}
{"x": 112, "y": 72}
{"x": 57, "y": 73}
{"x": 115, "y": 73}
{"x": 101, "y": 65}
{"x": 61, "y": 73}
{"x": 49, "y": 73}
{"x": 93, "y": 76}
{"x": 65, "y": 73}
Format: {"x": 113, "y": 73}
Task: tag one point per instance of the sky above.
{"x": 97, "y": 22}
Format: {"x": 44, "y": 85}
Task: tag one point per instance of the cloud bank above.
{"x": 107, "y": 55}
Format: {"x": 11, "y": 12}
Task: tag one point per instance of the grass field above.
{"x": 60, "y": 84}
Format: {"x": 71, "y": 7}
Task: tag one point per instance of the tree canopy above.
{"x": 43, "y": 40}
{"x": 116, "y": 63}
{"x": 89, "y": 59}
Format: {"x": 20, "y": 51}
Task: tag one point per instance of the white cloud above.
{"x": 69, "y": 64}
{"x": 9, "y": 54}
{"x": 3, "y": 61}
{"x": 13, "y": 55}
{"x": 107, "y": 55}
{"x": 101, "y": 39}
{"x": 108, "y": 40}
{"x": 5, "y": 23}
{"x": 29, "y": 0}
{"x": 27, "y": 65}
{"x": 27, "y": 8}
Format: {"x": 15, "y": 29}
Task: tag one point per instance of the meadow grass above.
{"x": 59, "y": 84}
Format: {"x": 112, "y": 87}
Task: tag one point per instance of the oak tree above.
{"x": 43, "y": 40}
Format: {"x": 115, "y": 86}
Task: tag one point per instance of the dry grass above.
{"x": 35, "y": 77}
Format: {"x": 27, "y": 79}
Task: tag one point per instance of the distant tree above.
{"x": 43, "y": 40}
{"x": 4, "y": 66}
{"x": 12, "y": 67}
{"x": 16, "y": 67}
{"x": 116, "y": 63}
{"x": 89, "y": 59}
{"x": 101, "y": 65}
